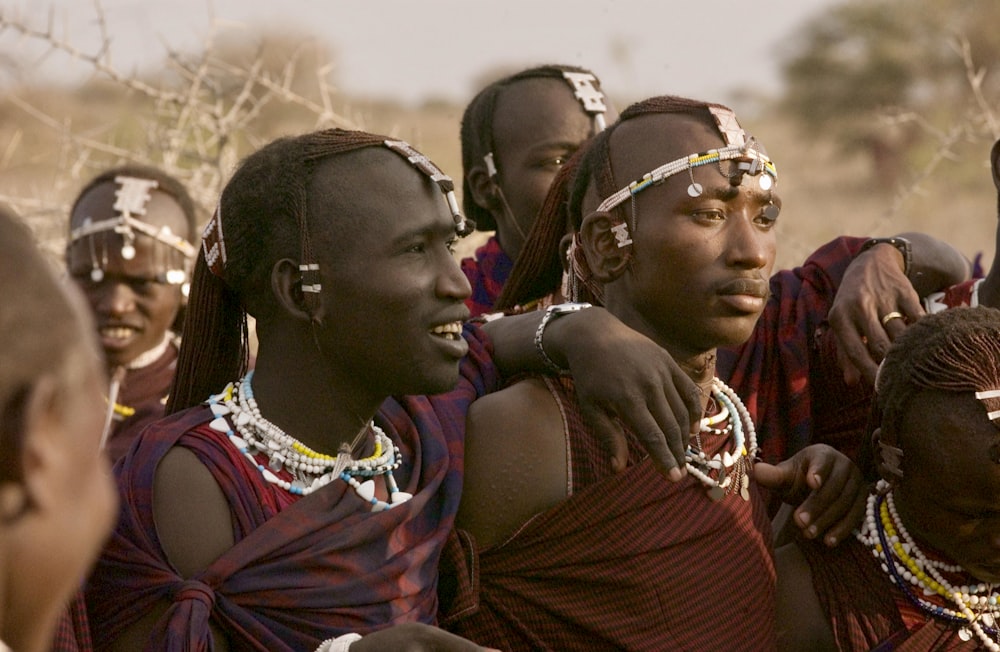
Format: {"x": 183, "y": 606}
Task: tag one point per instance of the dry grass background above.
{"x": 204, "y": 111}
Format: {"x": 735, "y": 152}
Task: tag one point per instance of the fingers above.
{"x": 609, "y": 433}
{"x": 831, "y": 508}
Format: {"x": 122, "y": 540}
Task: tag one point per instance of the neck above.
{"x": 306, "y": 400}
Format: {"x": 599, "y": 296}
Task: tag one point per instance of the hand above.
{"x": 873, "y": 286}
{"x": 415, "y": 637}
{"x": 621, "y": 373}
{"x": 825, "y": 485}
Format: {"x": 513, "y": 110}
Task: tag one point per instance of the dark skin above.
{"x": 537, "y": 125}
{"x": 133, "y": 309}
{"x": 989, "y": 291}
{"x": 947, "y": 497}
{"x": 405, "y": 258}
{"x": 696, "y": 280}
{"x": 875, "y": 286}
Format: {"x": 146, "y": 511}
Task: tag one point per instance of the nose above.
{"x": 748, "y": 246}
{"x": 115, "y": 298}
{"x": 451, "y": 280}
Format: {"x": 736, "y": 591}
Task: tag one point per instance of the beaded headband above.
{"x": 750, "y": 160}
{"x": 590, "y": 98}
{"x": 463, "y": 226}
{"x": 131, "y": 198}
{"x": 214, "y": 242}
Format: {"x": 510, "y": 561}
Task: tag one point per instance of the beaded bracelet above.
{"x": 551, "y": 313}
{"x": 901, "y": 244}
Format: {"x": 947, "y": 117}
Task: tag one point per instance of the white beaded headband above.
{"x": 590, "y": 98}
{"x": 752, "y": 162}
{"x": 463, "y": 226}
{"x": 214, "y": 242}
{"x": 131, "y": 198}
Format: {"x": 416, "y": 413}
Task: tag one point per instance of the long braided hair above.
{"x": 477, "y": 131}
{"x": 538, "y": 269}
{"x": 263, "y": 215}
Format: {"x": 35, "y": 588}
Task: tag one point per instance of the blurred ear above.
{"x": 601, "y": 234}
{"x": 995, "y": 164}
{"x": 889, "y": 456}
{"x": 43, "y": 445}
{"x": 484, "y": 189}
{"x": 286, "y": 284}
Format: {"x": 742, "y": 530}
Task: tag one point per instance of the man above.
{"x": 57, "y": 501}
{"x": 516, "y": 133}
{"x": 560, "y": 547}
{"x": 299, "y": 506}
{"x": 923, "y": 570}
{"x": 130, "y": 251}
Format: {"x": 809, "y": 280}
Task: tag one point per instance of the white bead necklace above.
{"x": 730, "y": 469}
{"x": 311, "y": 470}
{"x": 883, "y": 533}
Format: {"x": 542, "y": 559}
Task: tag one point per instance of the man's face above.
{"x": 132, "y": 308}
{"x": 949, "y": 495}
{"x": 392, "y": 291}
{"x": 537, "y": 125}
{"x": 699, "y": 274}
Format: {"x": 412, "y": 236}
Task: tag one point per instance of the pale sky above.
{"x": 411, "y": 49}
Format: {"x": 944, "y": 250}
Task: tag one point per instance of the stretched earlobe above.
{"x": 606, "y": 244}
{"x": 483, "y": 188}
{"x": 890, "y": 457}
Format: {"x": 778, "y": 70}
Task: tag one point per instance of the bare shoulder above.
{"x": 191, "y": 512}
{"x": 515, "y": 460}
{"x": 801, "y": 622}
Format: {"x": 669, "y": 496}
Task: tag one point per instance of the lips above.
{"x": 117, "y": 336}
{"x": 750, "y": 287}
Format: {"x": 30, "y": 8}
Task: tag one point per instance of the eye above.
{"x": 709, "y": 215}
{"x": 452, "y": 245}
{"x": 416, "y": 248}
{"x": 769, "y": 216}
{"x": 143, "y": 285}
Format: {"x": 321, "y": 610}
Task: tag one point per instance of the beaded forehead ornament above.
{"x": 747, "y": 152}
{"x": 131, "y": 198}
{"x": 214, "y": 243}
{"x": 590, "y": 98}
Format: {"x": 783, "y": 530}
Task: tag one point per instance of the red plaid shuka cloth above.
{"x": 487, "y": 271}
{"x": 303, "y": 570}
{"x": 787, "y": 372}
{"x": 866, "y": 612}
{"x": 144, "y": 390}
{"x": 629, "y": 561}
{"x": 956, "y": 296}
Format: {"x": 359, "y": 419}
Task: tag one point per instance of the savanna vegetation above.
{"x": 885, "y": 122}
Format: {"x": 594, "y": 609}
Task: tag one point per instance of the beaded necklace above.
{"x": 977, "y": 609}
{"x": 311, "y": 470}
{"x": 726, "y": 472}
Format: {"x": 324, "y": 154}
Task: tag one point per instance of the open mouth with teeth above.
{"x": 451, "y": 331}
{"x": 117, "y": 332}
